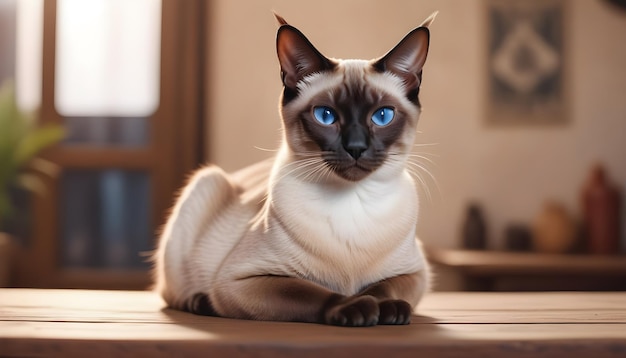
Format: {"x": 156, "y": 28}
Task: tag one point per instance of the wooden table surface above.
{"x": 125, "y": 323}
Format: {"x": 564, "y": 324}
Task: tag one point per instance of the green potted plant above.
{"x": 21, "y": 139}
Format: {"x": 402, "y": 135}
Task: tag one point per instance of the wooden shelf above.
{"x": 563, "y": 271}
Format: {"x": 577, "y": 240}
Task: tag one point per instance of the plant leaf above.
{"x": 8, "y": 124}
{"x": 21, "y": 139}
{"x": 11, "y": 126}
{"x": 35, "y": 141}
{"x": 43, "y": 166}
{"x": 31, "y": 183}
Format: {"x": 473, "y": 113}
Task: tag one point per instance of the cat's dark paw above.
{"x": 395, "y": 312}
{"x": 359, "y": 311}
{"x": 200, "y": 304}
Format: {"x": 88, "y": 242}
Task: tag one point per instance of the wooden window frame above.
{"x": 175, "y": 147}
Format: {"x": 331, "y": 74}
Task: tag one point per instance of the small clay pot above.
{"x": 554, "y": 230}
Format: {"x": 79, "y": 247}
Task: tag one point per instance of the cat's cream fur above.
{"x": 286, "y": 239}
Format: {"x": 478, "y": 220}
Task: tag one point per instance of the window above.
{"x": 107, "y": 58}
{"x": 125, "y": 80}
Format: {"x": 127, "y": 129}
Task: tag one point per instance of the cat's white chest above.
{"x": 353, "y": 216}
{"x": 349, "y": 232}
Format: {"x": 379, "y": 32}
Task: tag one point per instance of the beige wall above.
{"x": 510, "y": 171}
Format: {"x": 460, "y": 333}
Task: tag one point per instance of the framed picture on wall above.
{"x": 526, "y": 62}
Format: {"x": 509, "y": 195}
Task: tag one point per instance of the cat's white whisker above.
{"x": 296, "y": 168}
{"x": 315, "y": 174}
{"x": 307, "y": 170}
{"x": 415, "y": 168}
{"x": 265, "y": 149}
{"x": 307, "y": 154}
{"x": 421, "y": 183}
{"x": 425, "y": 153}
{"x": 425, "y": 144}
{"x": 423, "y": 168}
{"x": 422, "y": 157}
{"x": 300, "y": 165}
{"x": 418, "y": 167}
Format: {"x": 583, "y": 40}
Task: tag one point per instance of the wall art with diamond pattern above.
{"x": 527, "y": 63}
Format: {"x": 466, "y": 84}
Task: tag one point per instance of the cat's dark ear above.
{"x": 429, "y": 20}
{"x": 407, "y": 58}
{"x": 281, "y": 20}
{"x": 297, "y": 56}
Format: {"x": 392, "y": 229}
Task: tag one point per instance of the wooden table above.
{"x": 526, "y": 271}
{"x": 125, "y": 323}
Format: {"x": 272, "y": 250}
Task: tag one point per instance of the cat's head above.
{"x": 353, "y": 116}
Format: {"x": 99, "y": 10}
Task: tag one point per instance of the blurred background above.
{"x": 522, "y": 134}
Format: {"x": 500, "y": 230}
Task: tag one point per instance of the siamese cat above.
{"x": 324, "y": 232}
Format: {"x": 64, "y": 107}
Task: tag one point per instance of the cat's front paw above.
{"x": 359, "y": 311}
{"x": 395, "y": 312}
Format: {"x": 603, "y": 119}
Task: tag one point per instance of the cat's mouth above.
{"x": 354, "y": 170}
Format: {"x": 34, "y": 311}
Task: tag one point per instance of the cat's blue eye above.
{"x": 324, "y": 115}
{"x": 383, "y": 116}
